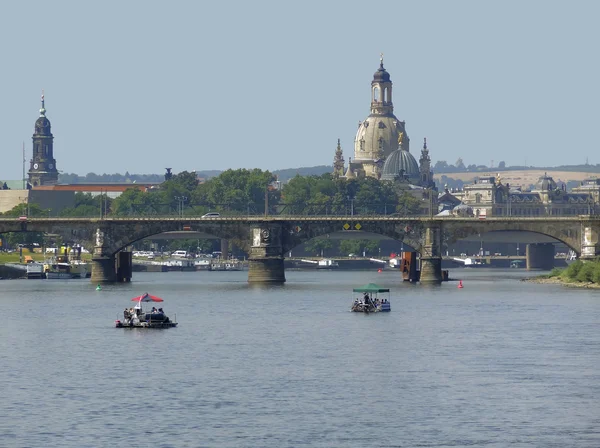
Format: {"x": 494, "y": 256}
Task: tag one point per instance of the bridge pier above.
{"x": 124, "y": 266}
{"x": 265, "y": 263}
{"x": 103, "y": 269}
{"x": 224, "y": 248}
{"x": 431, "y": 256}
{"x": 431, "y": 270}
{"x": 539, "y": 256}
{"x": 590, "y": 244}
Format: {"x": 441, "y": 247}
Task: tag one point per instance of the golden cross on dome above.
{"x": 381, "y": 58}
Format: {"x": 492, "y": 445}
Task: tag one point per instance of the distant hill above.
{"x": 524, "y": 178}
{"x": 286, "y": 174}
{"x": 283, "y": 175}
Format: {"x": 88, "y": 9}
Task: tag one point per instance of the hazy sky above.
{"x": 141, "y": 85}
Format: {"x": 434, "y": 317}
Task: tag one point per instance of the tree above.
{"x": 87, "y": 205}
{"x": 137, "y": 202}
{"x": 370, "y": 246}
{"x": 460, "y": 165}
{"x": 440, "y": 166}
{"x": 348, "y": 247}
{"x": 408, "y": 205}
{"x": 25, "y": 238}
{"x": 238, "y": 192}
{"x": 318, "y": 246}
{"x": 502, "y": 165}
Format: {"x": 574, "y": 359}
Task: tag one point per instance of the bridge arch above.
{"x": 239, "y": 234}
{"x": 565, "y": 233}
{"x": 297, "y": 233}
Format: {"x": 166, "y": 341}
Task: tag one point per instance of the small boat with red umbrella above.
{"x": 136, "y": 317}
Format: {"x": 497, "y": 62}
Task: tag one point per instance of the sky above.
{"x": 142, "y": 85}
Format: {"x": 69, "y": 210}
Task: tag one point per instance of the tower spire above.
{"x": 381, "y": 60}
{"x": 338, "y": 161}
{"x": 43, "y": 109}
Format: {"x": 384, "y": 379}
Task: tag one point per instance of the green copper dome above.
{"x": 400, "y": 162}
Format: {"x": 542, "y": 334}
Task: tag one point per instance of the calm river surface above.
{"x": 499, "y": 363}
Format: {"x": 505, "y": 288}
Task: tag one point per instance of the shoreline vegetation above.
{"x": 577, "y": 275}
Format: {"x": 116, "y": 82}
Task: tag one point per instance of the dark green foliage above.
{"x": 26, "y": 238}
{"x": 556, "y": 272}
{"x": 586, "y": 272}
{"x": 241, "y": 192}
{"x": 87, "y": 205}
{"x": 572, "y": 270}
{"x": 319, "y": 246}
{"x": 583, "y": 272}
{"x": 324, "y": 195}
{"x": 596, "y": 273}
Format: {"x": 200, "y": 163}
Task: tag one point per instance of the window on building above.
{"x": 376, "y": 93}
{"x": 477, "y": 198}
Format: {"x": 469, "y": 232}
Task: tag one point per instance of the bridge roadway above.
{"x": 268, "y": 238}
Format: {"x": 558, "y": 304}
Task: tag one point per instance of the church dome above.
{"x": 377, "y": 137}
{"x": 381, "y": 75}
{"x": 401, "y": 163}
{"x": 42, "y": 126}
{"x": 546, "y": 183}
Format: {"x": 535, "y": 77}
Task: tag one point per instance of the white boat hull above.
{"x": 59, "y": 275}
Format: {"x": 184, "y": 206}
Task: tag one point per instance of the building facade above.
{"x": 488, "y": 196}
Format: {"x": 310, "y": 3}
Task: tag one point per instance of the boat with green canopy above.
{"x": 370, "y": 302}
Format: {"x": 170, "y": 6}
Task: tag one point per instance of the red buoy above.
{"x": 460, "y": 285}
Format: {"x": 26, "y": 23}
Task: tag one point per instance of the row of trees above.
{"x": 239, "y": 192}
{"x": 250, "y": 192}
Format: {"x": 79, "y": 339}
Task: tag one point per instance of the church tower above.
{"x": 381, "y": 133}
{"x": 338, "y": 162}
{"x": 42, "y": 167}
{"x": 426, "y": 180}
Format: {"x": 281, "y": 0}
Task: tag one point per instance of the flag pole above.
{"x": 24, "y": 186}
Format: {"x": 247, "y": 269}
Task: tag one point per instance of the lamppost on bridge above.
{"x": 180, "y": 203}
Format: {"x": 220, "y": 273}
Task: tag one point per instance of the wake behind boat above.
{"x": 136, "y": 317}
{"x": 370, "y": 301}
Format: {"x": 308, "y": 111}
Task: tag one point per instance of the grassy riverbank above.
{"x": 13, "y": 257}
{"x": 577, "y": 274}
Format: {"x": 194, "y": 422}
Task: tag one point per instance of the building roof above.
{"x": 381, "y": 75}
{"x": 95, "y": 187}
{"x": 400, "y": 163}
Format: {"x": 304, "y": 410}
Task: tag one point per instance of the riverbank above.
{"x": 559, "y": 281}
{"x": 576, "y": 275}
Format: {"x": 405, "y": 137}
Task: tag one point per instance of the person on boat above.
{"x": 160, "y": 311}
{"x": 126, "y": 314}
{"x": 153, "y": 310}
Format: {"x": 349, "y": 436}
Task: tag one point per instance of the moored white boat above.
{"x": 327, "y": 263}
{"x": 57, "y": 270}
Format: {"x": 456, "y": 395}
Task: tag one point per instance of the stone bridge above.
{"x": 267, "y": 239}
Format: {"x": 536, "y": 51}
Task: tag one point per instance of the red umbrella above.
{"x": 147, "y": 298}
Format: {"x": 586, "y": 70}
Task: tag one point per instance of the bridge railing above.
{"x": 350, "y": 209}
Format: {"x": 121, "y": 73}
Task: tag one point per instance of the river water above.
{"x": 498, "y": 363}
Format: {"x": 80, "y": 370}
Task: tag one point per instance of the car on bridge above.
{"x": 211, "y": 215}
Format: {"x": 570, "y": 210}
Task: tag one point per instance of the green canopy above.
{"x": 371, "y": 287}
